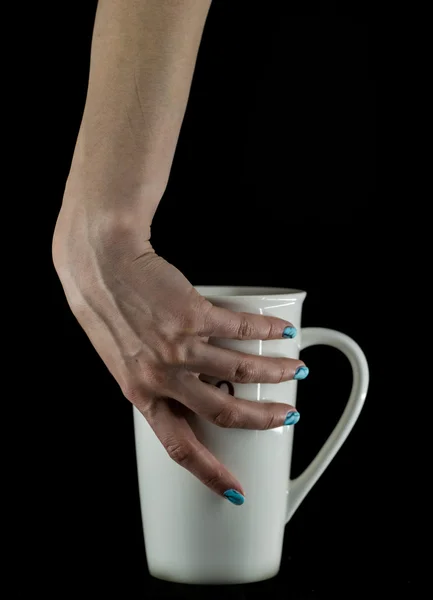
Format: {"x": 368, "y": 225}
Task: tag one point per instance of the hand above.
{"x": 151, "y": 328}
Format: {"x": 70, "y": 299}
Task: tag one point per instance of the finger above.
{"x": 168, "y": 421}
{"x": 239, "y": 367}
{"x": 224, "y": 410}
{"x": 224, "y": 323}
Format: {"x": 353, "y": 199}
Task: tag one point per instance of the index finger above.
{"x": 224, "y": 323}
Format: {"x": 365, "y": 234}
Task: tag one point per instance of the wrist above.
{"x": 86, "y": 224}
{"x": 110, "y": 200}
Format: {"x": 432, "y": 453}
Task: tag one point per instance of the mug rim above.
{"x": 247, "y": 292}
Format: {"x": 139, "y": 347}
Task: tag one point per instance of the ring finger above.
{"x": 224, "y": 410}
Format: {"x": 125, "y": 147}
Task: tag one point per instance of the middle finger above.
{"x": 240, "y": 367}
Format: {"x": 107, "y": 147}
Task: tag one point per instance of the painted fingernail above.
{"x": 301, "y": 372}
{"x": 290, "y": 332}
{"x": 292, "y": 418}
{"x": 234, "y": 497}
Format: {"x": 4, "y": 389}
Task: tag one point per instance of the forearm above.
{"x": 142, "y": 62}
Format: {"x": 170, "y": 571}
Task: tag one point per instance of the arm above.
{"x": 144, "y": 318}
{"x": 142, "y": 62}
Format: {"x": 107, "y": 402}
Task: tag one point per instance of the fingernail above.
{"x": 234, "y": 497}
{"x": 301, "y": 372}
{"x": 290, "y": 332}
{"x": 292, "y": 418}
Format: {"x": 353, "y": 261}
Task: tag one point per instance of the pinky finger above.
{"x": 167, "y": 418}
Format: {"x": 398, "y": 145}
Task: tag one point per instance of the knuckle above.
{"x": 136, "y": 394}
{"x": 281, "y": 374}
{"x": 214, "y": 480}
{"x": 172, "y": 353}
{"x": 149, "y": 380}
{"x": 244, "y": 372}
{"x": 203, "y": 310}
{"x": 159, "y": 379}
{"x": 204, "y": 317}
{"x": 191, "y": 352}
{"x": 132, "y": 392}
{"x": 275, "y": 371}
{"x": 199, "y": 314}
{"x": 228, "y": 417}
{"x": 245, "y": 329}
{"x": 270, "y": 421}
{"x": 272, "y": 332}
{"x": 79, "y": 308}
{"x": 179, "y": 451}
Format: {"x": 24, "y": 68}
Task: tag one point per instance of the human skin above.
{"x": 147, "y": 322}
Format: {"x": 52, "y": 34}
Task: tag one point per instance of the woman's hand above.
{"x": 151, "y": 328}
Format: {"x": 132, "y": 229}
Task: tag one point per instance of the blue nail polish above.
{"x": 292, "y": 418}
{"x": 234, "y": 497}
{"x": 290, "y": 332}
{"x": 301, "y": 373}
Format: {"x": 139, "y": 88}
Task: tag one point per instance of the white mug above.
{"x": 191, "y": 534}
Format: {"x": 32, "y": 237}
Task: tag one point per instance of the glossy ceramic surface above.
{"x": 191, "y": 534}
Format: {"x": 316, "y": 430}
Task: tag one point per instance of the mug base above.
{"x": 213, "y": 580}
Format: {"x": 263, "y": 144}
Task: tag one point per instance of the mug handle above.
{"x": 312, "y": 336}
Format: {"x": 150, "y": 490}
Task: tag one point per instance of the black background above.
{"x": 273, "y": 183}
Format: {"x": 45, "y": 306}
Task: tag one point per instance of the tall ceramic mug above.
{"x": 191, "y": 534}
